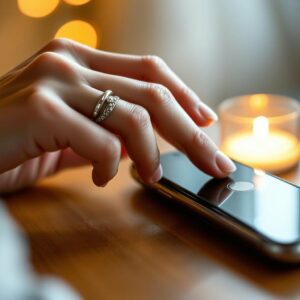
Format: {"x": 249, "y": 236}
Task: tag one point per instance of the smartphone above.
{"x": 256, "y": 206}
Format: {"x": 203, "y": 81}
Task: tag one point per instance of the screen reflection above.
{"x": 271, "y": 207}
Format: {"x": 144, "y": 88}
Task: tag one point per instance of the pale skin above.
{"x": 46, "y": 106}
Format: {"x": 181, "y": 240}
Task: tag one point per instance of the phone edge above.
{"x": 288, "y": 253}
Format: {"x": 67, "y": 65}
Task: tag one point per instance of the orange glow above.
{"x": 79, "y": 31}
{"x": 37, "y": 8}
{"x": 258, "y": 101}
{"x": 77, "y": 2}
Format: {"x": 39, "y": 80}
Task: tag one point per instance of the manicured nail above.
{"x": 208, "y": 113}
{"x": 157, "y": 175}
{"x": 103, "y": 185}
{"x": 224, "y": 163}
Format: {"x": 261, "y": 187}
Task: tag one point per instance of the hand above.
{"x": 46, "y": 104}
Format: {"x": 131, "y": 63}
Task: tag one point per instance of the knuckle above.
{"x": 185, "y": 91}
{"x": 40, "y": 105}
{"x": 152, "y": 62}
{"x": 200, "y": 139}
{"x": 45, "y": 59}
{"x": 159, "y": 93}
{"x": 150, "y": 66}
{"x": 59, "y": 44}
{"x": 51, "y": 62}
{"x": 112, "y": 150}
{"x": 139, "y": 117}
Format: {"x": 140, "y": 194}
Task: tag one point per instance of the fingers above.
{"x": 29, "y": 172}
{"x": 170, "y": 119}
{"x": 148, "y": 68}
{"x": 132, "y": 123}
{"x": 153, "y": 69}
{"x": 70, "y": 159}
{"x": 32, "y": 170}
{"x": 63, "y": 67}
{"x": 67, "y": 128}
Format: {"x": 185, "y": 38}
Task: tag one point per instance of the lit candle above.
{"x": 249, "y": 138}
{"x": 272, "y": 151}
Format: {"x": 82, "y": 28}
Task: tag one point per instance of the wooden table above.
{"x": 121, "y": 242}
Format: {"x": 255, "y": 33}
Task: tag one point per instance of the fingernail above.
{"x": 208, "y": 113}
{"x": 103, "y": 185}
{"x": 157, "y": 175}
{"x": 224, "y": 163}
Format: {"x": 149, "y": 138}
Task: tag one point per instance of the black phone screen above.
{"x": 263, "y": 202}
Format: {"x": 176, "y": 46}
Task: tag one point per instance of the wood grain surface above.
{"x": 122, "y": 242}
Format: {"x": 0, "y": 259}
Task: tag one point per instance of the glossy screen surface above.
{"x": 263, "y": 202}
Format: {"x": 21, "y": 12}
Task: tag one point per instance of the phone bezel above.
{"x": 286, "y": 252}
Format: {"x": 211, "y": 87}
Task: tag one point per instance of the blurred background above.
{"x": 221, "y": 48}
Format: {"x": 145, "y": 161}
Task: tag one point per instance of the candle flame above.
{"x": 260, "y": 128}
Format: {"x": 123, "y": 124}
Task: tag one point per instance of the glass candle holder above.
{"x": 261, "y": 131}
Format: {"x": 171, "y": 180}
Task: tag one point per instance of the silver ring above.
{"x": 106, "y": 108}
{"x": 100, "y": 103}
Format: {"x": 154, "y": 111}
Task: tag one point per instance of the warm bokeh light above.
{"x": 77, "y": 2}
{"x": 37, "y": 8}
{"x": 79, "y": 31}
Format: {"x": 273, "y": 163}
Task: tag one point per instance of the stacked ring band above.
{"x": 105, "y": 106}
{"x": 100, "y": 103}
{"x": 108, "y": 106}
